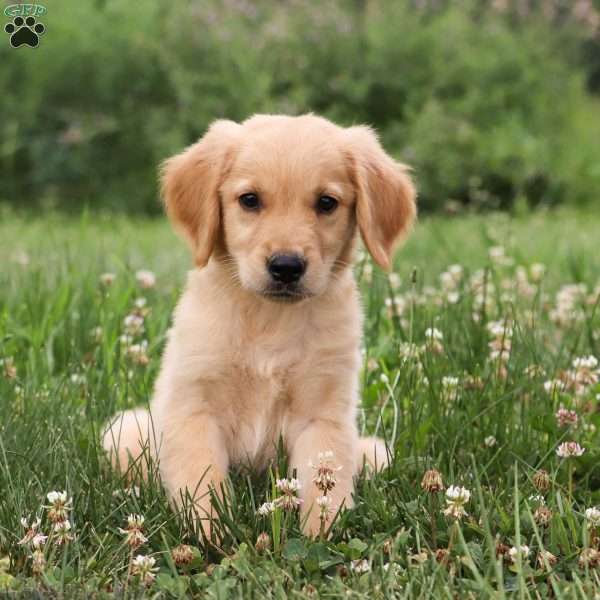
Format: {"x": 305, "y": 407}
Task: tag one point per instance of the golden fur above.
{"x": 241, "y": 369}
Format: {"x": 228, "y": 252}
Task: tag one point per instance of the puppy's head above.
{"x": 278, "y": 200}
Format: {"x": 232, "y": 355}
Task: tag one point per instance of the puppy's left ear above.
{"x": 190, "y": 187}
{"x": 385, "y": 194}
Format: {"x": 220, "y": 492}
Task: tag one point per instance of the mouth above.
{"x": 286, "y": 294}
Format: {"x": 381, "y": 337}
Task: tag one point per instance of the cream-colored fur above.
{"x": 240, "y": 370}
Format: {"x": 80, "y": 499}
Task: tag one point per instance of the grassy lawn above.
{"x": 476, "y": 401}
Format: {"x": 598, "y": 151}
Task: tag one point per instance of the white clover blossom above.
{"x": 144, "y": 568}
{"x": 140, "y": 302}
{"x": 409, "y": 351}
{"x": 490, "y": 441}
{"x": 565, "y": 417}
{"x": 552, "y": 386}
{"x": 134, "y": 532}
{"x": 134, "y": 324}
{"x": 456, "y": 498}
{"x": 107, "y": 278}
{"x": 32, "y": 536}
{"x": 395, "y": 280}
{"x": 592, "y": 516}
{"x": 360, "y": 566}
{"x": 450, "y": 387}
{"x": 59, "y": 506}
{"x": 63, "y": 532}
{"x": 289, "y": 489}
{"x": 537, "y": 498}
{"x": 77, "y": 379}
{"x": 288, "y": 485}
{"x": 96, "y": 333}
{"x": 146, "y": 279}
{"x": 431, "y": 333}
{"x": 517, "y": 552}
{"x": 537, "y": 271}
{"x": 569, "y": 449}
{"x": 324, "y": 504}
{"x": 585, "y": 362}
{"x": 325, "y": 469}
{"x": 138, "y": 353}
{"x": 266, "y": 509}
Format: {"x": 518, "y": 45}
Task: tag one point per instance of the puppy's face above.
{"x": 288, "y": 209}
{"x": 278, "y": 199}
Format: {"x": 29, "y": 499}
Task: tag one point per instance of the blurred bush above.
{"x": 490, "y": 102}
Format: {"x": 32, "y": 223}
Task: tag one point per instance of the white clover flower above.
{"x": 450, "y": 387}
{"x": 138, "y": 353}
{"x": 592, "y": 516}
{"x": 395, "y": 280}
{"x": 133, "y": 324}
{"x": 140, "y": 302}
{"x": 565, "y": 417}
{"x": 107, "y": 278}
{"x": 289, "y": 489}
{"x": 409, "y": 351}
{"x": 537, "y": 271}
{"x": 96, "y": 333}
{"x": 326, "y": 469}
{"x": 144, "y": 567}
{"x": 395, "y": 306}
{"x": 456, "y": 498}
{"x": 134, "y": 534}
{"x": 59, "y": 506}
{"x": 288, "y": 485}
{"x": 569, "y": 449}
{"x": 266, "y": 509}
{"x": 517, "y": 552}
{"x": 553, "y": 386}
{"x": 63, "y": 532}
{"x": 8, "y": 367}
{"x": 146, "y": 279}
{"x": 360, "y": 566}
{"x": 324, "y": 504}
{"x": 500, "y": 329}
{"x": 32, "y": 535}
{"x": 496, "y": 253}
{"x": 585, "y": 362}
{"x": 537, "y": 499}
{"x": 456, "y": 271}
{"x": 490, "y": 441}
{"x": 431, "y": 333}
{"x": 135, "y": 520}
{"x": 55, "y": 497}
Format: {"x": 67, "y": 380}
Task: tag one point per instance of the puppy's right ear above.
{"x": 190, "y": 184}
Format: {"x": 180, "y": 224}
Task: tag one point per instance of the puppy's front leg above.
{"x": 194, "y": 460}
{"x": 322, "y": 436}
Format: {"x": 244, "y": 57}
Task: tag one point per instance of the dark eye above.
{"x": 326, "y": 205}
{"x": 250, "y": 201}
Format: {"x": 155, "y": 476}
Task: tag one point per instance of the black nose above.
{"x": 286, "y": 268}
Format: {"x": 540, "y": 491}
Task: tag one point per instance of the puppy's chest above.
{"x": 261, "y": 414}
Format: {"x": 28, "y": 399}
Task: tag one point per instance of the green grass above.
{"x": 67, "y": 384}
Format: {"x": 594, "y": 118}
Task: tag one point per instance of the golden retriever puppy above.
{"x": 266, "y": 337}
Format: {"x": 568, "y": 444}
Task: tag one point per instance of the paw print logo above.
{"x": 24, "y": 32}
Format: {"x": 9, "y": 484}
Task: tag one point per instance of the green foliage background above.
{"x": 489, "y": 106}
